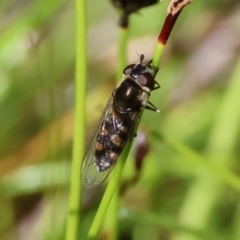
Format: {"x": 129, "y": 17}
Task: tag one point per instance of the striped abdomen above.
{"x": 110, "y": 142}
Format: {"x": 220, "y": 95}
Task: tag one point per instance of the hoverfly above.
{"x": 118, "y": 121}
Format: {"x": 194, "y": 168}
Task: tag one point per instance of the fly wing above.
{"x": 91, "y": 176}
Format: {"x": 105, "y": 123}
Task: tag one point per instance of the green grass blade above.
{"x": 111, "y": 188}
{"x": 220, "y": 148}
{"x": 122, "y": 53}
{"x": 79, "y": 122}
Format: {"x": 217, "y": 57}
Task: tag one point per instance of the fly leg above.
{"x": 157, "y": 86}
{"x": 152, "y": 107}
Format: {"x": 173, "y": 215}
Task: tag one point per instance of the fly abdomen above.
{"x": 117, "y": 142}
{"x": 110, "y": 143}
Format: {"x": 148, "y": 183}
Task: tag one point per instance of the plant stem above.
{"x": 174, "y": 10}
{"x": 194, "y": 158}
{"x": 122, "y": 53}
{"x": 111, "y": 188}
{"x": 79, "y": 122}
{"x": 110, "y": 228}
{"x": 163, "y": 38}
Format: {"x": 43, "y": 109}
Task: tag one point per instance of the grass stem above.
{"x": 79, "y": 122}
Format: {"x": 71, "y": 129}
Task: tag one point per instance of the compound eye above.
{"x": 128, "y": 70}
{"x": 146, "y": 80}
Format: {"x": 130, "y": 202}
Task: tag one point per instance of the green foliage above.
{"x": 189, "y": 184}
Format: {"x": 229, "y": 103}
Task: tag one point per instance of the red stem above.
{"x": 167, "y": 27}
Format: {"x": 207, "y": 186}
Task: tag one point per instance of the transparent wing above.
{"x": 90, "y": 174}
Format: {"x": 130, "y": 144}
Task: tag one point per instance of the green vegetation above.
{"x": 189, "y": 184}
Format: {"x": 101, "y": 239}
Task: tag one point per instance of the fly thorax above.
{"x": 143, "y": 98}
{"x": 127, "y": 97}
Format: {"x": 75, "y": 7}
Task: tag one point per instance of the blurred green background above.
{"x": 189, "y": 186}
